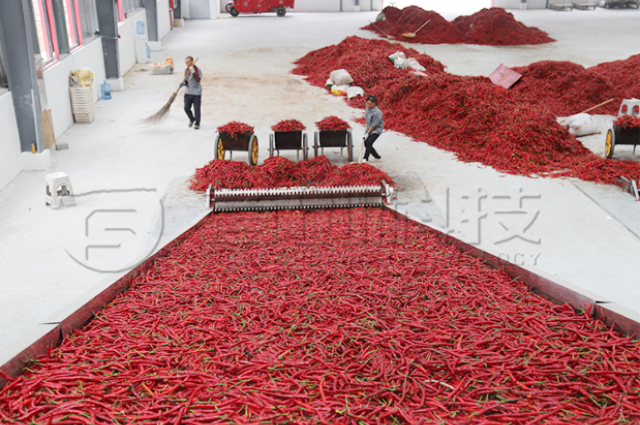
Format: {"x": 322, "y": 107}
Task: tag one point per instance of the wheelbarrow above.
{"x": 618, "y": 135}
{"x": 333, "y": 139}
{"x": 288, "y": 140}
{"x": 245, "y": 142}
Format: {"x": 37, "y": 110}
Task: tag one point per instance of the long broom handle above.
{"x": 376, "y": 27}
{"x": 590, "y": 109}
{"x": 597, "y": 106}
{"x": 423, "y": 25}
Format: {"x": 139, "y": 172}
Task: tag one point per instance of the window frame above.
{"x": 89, "y": 26}
{"x": 49, "y": 37}
{"x": 72, "y": 16}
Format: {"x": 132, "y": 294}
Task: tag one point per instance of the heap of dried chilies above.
{"x": 289, "y": 125}
{"x": 235, "y": 128}
{"x": 332, "y": 123}
{"x": 334, "y": 317}
{"x": 566, "y": 88}
{"x": 493, "y": 26}
{"x": 281, "y": 172}
{"x": 628, "y": 121}
{"x": 474, "y": 118}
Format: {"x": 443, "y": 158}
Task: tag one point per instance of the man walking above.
{"x": 193, "y": 92}
{"x": 373, "y": 129}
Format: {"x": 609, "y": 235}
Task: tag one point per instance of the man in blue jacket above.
{"x": 193, "y": 92}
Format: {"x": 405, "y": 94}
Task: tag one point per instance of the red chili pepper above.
{"x": 235, "y": 128}
{"x": 628, "y": 121}
{"x": 332, "y": 123}
{"x": 289, "y": 125}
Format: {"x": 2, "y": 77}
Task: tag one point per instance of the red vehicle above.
{"x": 259, "y": 6}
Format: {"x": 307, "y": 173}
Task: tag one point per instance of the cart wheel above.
{"x": 253, "y": 150}
{"x": 610, "y": 144}
{"x": 305, "y": 148}
{"x": 228, "y": 6}
{"x": 233, "y": 11}
{"x": 315, "y": 144}
{"x": 219, "y": 148}
{"x": 349, "y": 147}
{"x": 281, "y": 11}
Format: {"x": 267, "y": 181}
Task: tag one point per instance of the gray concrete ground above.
{"x": 579, "y": 231}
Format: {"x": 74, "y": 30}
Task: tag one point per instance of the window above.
{"x": 88, "y": 18}
{"x": 72, "y": 20}
{"x": 47, "y": 44}
{"x": 127, "y": 6}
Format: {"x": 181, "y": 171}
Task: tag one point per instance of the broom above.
{"x": 162, "y": 113}
{"x": 390, "y": 37}
{"x": 413, "y": 34}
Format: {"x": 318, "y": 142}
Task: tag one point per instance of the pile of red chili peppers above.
{"x": 566, "y": 88}
{"x": 289, "y": 125}
{"x": 235, "y": 128}
{"x": 367, "y": 60}
{"x": 474, "y": 118}
{"x": 281, "y": 172}
{"x": 334, "y": 317}
{"x": 628, "y": 121}
{"x": 332, "y": 123}
{"x": 493, "y": 26}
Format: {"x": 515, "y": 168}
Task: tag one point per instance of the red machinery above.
{"x": 259, "y": 6}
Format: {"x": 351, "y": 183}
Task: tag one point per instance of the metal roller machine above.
{"x": 301, "y": 198}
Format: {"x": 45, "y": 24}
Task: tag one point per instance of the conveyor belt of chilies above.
{"x": 334, "y": 317}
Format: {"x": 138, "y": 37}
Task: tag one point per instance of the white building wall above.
{"x": 9, "y": 141}
{"x": 56, "y": 82}
{"x": 164, "y": 19}
{"x": 127, "y": 42}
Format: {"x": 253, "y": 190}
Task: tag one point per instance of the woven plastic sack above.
{"x": 341, "y": 77}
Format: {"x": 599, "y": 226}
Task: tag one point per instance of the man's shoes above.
{"x": 197, "y": 127}
{"x": 375, "y": 160}
{"x": 190, "y": 123}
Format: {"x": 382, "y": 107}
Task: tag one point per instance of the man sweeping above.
{"x": 193, "y": 92}
{"x": 373, "y": 129}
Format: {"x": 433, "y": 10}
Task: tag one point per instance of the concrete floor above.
{"x": 582, "y": 232}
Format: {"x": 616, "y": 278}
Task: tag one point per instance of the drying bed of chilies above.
{"x": 333, "y": 317}
{"x": 471, "y": 116}
{"x": 278, "y": 172}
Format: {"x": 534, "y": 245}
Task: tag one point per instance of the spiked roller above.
{"x": 301, "y": 198}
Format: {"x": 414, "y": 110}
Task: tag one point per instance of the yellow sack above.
{"x": 83, "y": 77}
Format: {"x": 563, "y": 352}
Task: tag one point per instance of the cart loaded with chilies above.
{"x": 288, "y": 135}
{"x": 236, "y": 137}
{"x": 624, "y": 135}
